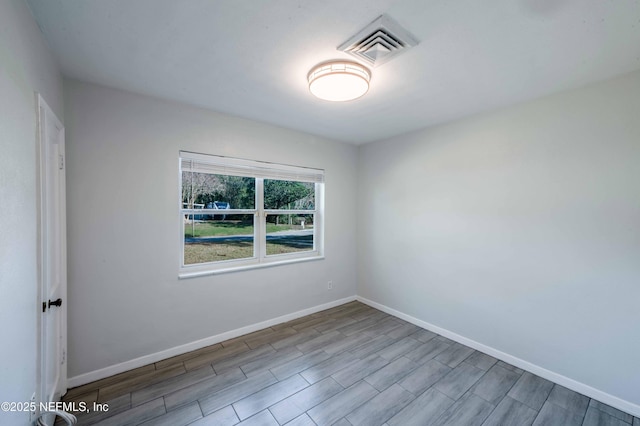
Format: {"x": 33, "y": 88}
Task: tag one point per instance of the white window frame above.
{"x": 260, "y": 171}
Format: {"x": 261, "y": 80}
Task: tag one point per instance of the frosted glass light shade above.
{"x": 339, "y": 81}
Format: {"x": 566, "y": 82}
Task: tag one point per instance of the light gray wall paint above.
{"x": 125, "y": 299}
{"x": 25, "y": 66}
{"x": 519, "y": 229}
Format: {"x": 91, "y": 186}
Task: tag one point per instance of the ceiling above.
{"x": 251, "y": 58}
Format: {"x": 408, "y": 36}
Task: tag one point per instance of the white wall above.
{"x": 519, "y": 229}
{"x": 125, "y": 299}
{"x": 25, "y": 66}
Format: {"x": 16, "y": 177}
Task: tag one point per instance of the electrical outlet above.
{"x": 329, "y": 285}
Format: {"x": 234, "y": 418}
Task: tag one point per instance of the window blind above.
{"x": 201, "y": 163}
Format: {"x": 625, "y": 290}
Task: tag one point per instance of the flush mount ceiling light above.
{"x": 339, "y": 81}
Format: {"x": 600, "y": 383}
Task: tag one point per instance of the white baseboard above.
{"x": 620, "y": 404}
{"x": 188, "y": 347}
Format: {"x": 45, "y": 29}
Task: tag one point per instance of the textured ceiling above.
{"x": 250, "y": 58}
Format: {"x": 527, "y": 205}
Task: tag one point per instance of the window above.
{"x": 238, "y": 214}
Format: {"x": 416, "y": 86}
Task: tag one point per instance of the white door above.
{"x": 52, "y": 257}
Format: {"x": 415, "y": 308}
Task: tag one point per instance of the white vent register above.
{"x": 380, "y": 41}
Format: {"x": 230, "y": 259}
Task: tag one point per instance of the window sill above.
{"x": 194, "y": 274}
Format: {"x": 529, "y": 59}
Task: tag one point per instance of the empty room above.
{"x": 367, "y": 212}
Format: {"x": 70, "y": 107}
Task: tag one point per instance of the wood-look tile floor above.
{"x": 349, "y": 365}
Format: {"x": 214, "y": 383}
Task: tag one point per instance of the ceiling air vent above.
{"x": 379, "y": 41}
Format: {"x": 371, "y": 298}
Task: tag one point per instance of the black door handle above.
{"x": 55, "y": 303}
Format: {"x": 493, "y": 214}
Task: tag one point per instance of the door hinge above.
{"x": 61, "y": 162}
{"x": 44, "y": 306}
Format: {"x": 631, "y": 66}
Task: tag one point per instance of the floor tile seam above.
{"x": 310, "y": 408}
{"x": 172, "y": 365}
{"x": 280, "y": 400}
{"x": 272, "y": 366}
{"x": 425, "y": 391}
{"x": 349, "y": 364}
{"x": 164, "y": 405}
{"x": 238, "y": 366}
{"x": 201, "y": 410}
{"x": 226, "y": 358}
{"x": 136, "y": 386}
{"x": 274, "y": 341}
{"x": 197, "y": 402}
{"x": 506, "y": 393}
{"x": 318, "y": 331}
{"x": 433, "y": 384}
{"x": 564, "y": 408}
{"x": 80, "y": 396}
{"x": 245, "y": 340}
{"x": 525, "y": 403}
{"x": 495, "y": 407}
{"x": 353, "y": 408}
{"x": 99, "y": 418}
{"x": 468, "y": 356}
{"x": 545, "y": 401}
{"x": 418, "y": 331}
{"x": 235, "y": 412}
{"x": 361, "y": 379}
{"x": 412, "y": 393}
{"x": 339, "y": 352}
{"x": 111, "y": 381}
{"x": 352, "y": 350}
{"x": 355, "y": 348}
{"x": 613, "y": 415}
{"x": 274, "y": 416}
{"x": 182, "y": 404}
{"x": 202, "y": 379}
{"x": 484, "y": 372}
{"x": 455, "y": 401}
{"x": 248, "y": 395}
{"x": 269, "y": 369}
{"x": 231, "y": 344}
{"x": 155, "y": 364}
{"x": 396, "y": 381}
{"x": 198, "y": 399}
{"x": 604, "y": 412}
{"x": 253, "y": 393}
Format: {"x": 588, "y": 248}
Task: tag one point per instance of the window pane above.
{"x": 289, "y": 233}
{"x": 213, "y": 240}
{"x": 288, "y": 195}
{"x": 209, "y": 191}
